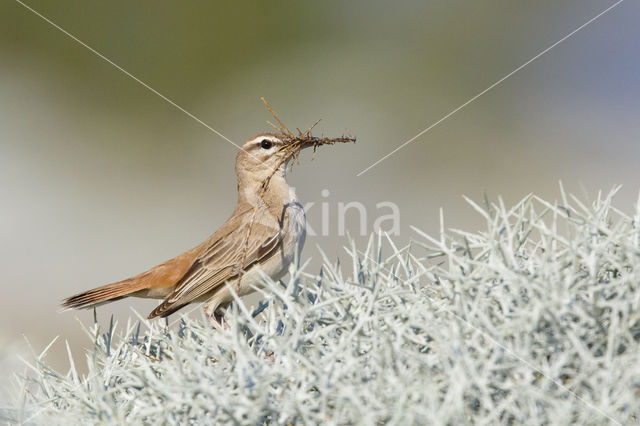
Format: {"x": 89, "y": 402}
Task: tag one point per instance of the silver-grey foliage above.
{"x": 534, "y": 320}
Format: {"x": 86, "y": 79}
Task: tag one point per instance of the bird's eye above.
{"x": 265, "y": 144}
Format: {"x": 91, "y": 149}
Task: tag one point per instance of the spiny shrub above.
{"x": 533, "y": 320}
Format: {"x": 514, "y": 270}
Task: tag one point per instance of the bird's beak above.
{"x": 314, "y": 142}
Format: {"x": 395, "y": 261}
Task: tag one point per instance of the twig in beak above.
{"x": 308, "y": 132}
{"x": 283, "y": 127}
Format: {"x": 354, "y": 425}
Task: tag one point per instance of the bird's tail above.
{"x": 163, "y": 276}
{"x": 106, "y": 293}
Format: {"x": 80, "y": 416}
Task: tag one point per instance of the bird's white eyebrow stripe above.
{"x": 267, "y": 137}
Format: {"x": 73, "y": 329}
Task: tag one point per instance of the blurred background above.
{"x": 101, "y": 179}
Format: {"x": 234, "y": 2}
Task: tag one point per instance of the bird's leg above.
{"x": 217, "y": 320}
{"x": 215, "y": 316}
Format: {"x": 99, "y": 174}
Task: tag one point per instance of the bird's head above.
{"x": 267, "y": 154}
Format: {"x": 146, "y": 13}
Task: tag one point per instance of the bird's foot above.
{"x": 217, "y": 320}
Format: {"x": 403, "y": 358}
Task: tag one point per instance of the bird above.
{"x": 264, "y": 234}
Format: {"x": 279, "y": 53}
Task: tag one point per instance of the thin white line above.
{"x": 130, "y": 75}
{"x": 512, "y": 353}
{"x": 491, "y": 87}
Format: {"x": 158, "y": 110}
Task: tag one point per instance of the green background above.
{"x": 100, "y": 178}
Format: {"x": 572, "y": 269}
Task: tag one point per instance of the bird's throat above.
{"x": 277, "y": 190}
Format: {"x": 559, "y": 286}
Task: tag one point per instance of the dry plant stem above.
{"x": 276, "y": 128}
{"x": 282, "y": 126}
{"x": 308, "y": 132}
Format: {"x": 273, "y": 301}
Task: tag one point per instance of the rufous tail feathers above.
{"x": 106, "y": 293}
{"x": 165, "y": 275}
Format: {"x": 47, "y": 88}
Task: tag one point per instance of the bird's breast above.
{"x": 294, "y": 227}
{"x": 292, "y": 222}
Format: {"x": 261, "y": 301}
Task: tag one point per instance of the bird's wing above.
{"x": 221, "y": 257}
